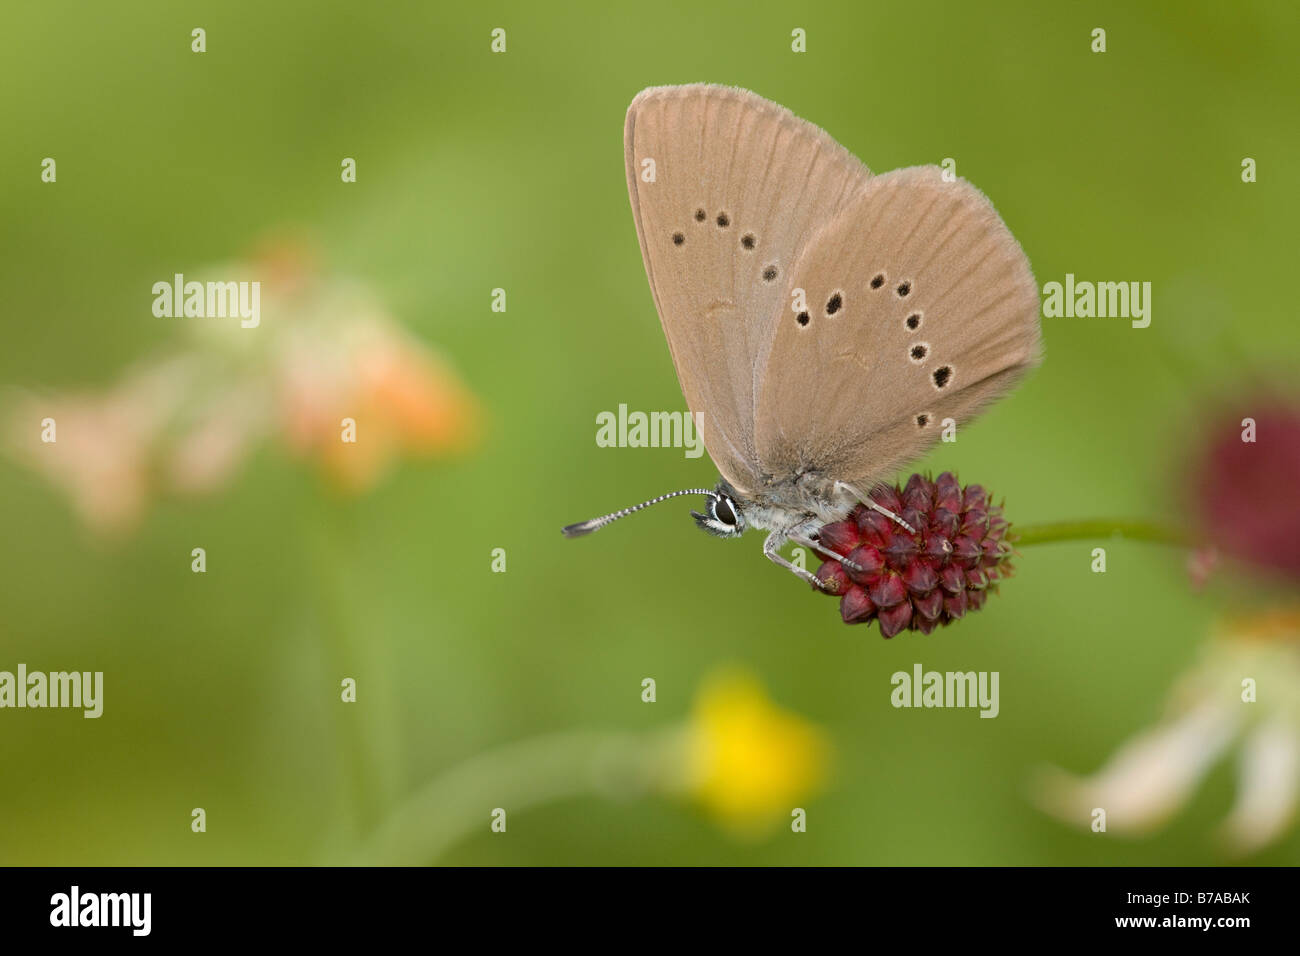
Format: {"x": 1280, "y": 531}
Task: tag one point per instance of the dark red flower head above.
{"x": 917, "y": 581}
{"x": 1247, "y": 487}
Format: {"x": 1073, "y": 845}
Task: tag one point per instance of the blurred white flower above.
{"x": 1245, "y": 690}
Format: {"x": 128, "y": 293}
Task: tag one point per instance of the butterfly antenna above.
{"x": 595, "y": 524}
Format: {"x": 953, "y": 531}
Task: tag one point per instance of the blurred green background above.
{"x": 478, "y": 171}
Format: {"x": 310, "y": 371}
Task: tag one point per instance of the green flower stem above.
{"x": 346, "y": 626}
{"x": 1132, "y": 529}
{"x": 514, "y": 778}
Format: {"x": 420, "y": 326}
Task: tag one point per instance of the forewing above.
{"x": 735, "y": 188}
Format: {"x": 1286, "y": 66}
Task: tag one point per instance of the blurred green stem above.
{"x": 352, "y": 649}
{"x": 514, "y": 778}
{"x": 1132, "y": 529}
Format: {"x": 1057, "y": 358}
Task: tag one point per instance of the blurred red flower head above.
{"x": 1246, "y": 487}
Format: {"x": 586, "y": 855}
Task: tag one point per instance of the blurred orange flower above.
{"x": 326, "y": 373}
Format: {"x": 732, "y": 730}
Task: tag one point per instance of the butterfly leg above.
{"x": 870, "y": 503}
{"x": 825, "y": 552}
{"x": 774, "y": 540}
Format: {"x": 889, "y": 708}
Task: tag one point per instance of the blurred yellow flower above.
{"x": 749, "y": 762}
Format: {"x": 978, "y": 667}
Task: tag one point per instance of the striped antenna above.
{"x": 595, "y": 524}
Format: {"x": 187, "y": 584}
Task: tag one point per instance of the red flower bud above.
{"x": 840, "y": 536}
{"x": 856, "y": 607}
{"x": 834, "y": 579}
{"x": 894, "y": 619}
{"x": 887, "y": 589}
{"x": 869, "y": 560}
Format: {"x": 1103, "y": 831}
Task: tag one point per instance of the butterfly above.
{"x": 824, "y": 322}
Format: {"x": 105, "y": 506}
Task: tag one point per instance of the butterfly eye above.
{"x": 723, "y": 511}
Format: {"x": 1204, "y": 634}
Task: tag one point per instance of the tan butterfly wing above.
{"x": 854, "y": 392}
{"x": 726, "y": 186}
